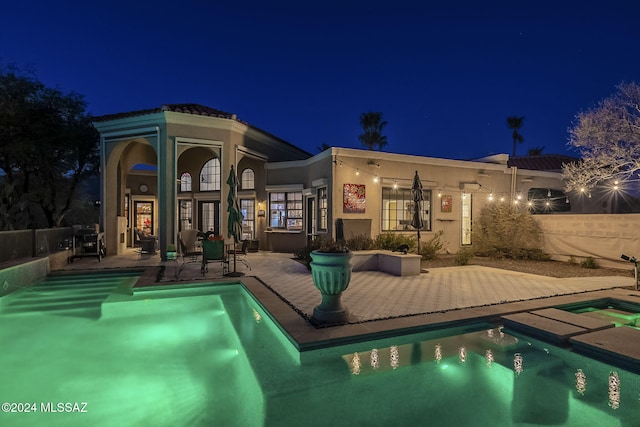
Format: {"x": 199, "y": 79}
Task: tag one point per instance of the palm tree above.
{"x": 515, "y": 123}
{"x": 372, "y": 125}
{"x": 536, "y": 151}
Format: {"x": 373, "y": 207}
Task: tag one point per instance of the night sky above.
{"x": 445, "y": 76}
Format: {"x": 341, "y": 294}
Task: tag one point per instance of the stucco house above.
{"x": 164, "y": 171}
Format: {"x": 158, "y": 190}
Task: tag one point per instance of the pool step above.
{"x": 554, "y": 325}
{"x": 60, "y": 294}
{"x": 574, "y": 319}
{"x": 617, "y": 346}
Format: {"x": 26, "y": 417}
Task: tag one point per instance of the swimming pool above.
{"x": 210, "y": 355}
{"x": 621, "y": 313}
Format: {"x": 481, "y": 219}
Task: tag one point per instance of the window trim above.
{"x": 426, "y": 210}
{"x": 286, "y": 202}
{"x": 186, "y": 183}
{"x": 322, "y": 209}
{"x": 217, "y": 178}
{"x": 249, "y": 219}
{"x": 252, "y": 180}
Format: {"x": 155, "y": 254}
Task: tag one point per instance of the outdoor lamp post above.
{"x": 634, "y": 260}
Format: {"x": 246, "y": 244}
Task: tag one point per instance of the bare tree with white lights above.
{"x": 608, "y": 139}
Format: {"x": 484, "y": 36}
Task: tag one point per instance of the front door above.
{"x": 311, "y": 219}
{"x": 144, "y": 217}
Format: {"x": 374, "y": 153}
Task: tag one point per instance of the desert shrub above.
{"x": 304, "y": 254}
{"x": 430, "y": 249}
{"x": 572, "y": 260}
{"x": 588, "y": 262}
{"x": 503, "y": 231}
{"x": 390, "y": 241}
{"x": 533, "y": 254}
{"x": 360, "y": 242}
{"x": 463, "y": 256}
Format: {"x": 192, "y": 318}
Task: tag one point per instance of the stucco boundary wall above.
{"x": 604, "y": 237}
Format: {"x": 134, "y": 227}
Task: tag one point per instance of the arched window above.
{"x": 210, "y": 175}
{"x": 185, "y": 182}
{"x": 248, "y": 179}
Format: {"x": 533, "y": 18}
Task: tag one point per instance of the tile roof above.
{"x": 543, "y": 162}
{"x": 196, "y": 109}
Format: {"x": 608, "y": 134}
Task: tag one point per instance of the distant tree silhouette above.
{"x": 608, "y": 139}
{"x": 537, "y": 151}
{"x": 48, "y": 148}
{"x": 372, "y": 126}
{"x": 515, "y": 123}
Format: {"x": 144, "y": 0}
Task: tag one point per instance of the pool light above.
{"x": 373, "y": 358}
{"x": 581, "y": 381}
{"x": 488, "y": 355}
{"x": 614, "y": 390}
{"x": 517, "y": 363}
{"x": 395, "y": 357}
{"x": 437, "y": 353}
{"x": 355, "y": 364}
{"x": 462, "y": 354}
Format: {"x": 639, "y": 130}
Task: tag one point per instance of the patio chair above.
{"x": 189, "y": 247}
{"x": 148, "y": 244}
{"x": 241, "y": 254}
{"x": 213, "y": 251}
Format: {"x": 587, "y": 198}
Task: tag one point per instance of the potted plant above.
{"x": 331, "y": 273}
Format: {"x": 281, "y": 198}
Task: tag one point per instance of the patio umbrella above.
{"x": 234, "y": 222}
{"x": 418, "y": 197}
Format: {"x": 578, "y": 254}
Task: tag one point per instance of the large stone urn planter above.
{"x": 331, "y": 272}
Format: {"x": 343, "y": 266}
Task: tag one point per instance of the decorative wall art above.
{"x": 353, "y": 200}
{"x": 446, "y": 203}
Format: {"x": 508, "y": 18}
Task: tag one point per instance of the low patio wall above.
{"x": 395, "y": 263}
{"x": 22, "y": 275}
{"x": 25, "y": 272}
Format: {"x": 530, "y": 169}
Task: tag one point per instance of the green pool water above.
{"x": 211, "y": 356}
{"x": 617, "y": 312}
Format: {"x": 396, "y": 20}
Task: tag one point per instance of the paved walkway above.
{"x": 375, "y": 295}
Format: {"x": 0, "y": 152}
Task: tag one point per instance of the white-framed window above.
{"x": 210, "y": 175}
{"x": 323, "y": 209}
{"x": 185, "y": 214}
{"x": 398, "y": 208}
{"x": 185, "y": 182}
{"x": 248, "y": 209}
{"x": 247, "y": 181}
{"x": 285, "y": 210}
{"x": 466, "y": 218}
{"x": 209, "y": 216}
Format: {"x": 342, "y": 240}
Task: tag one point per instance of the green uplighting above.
{"x": 175, "y": 358}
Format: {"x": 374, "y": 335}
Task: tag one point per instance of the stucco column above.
{"x": 166, "y": 191}
{"x": 111, "y": 182}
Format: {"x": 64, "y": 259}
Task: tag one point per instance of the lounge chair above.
{"x": 214, "y": 251}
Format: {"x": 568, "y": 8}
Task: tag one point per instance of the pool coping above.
{"x": 307, "y": 337}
